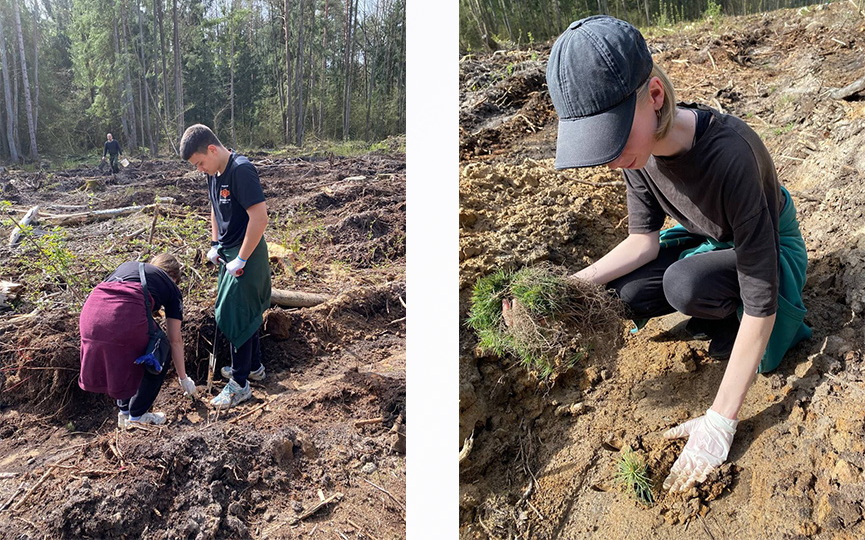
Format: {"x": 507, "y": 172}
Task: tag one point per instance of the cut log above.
{"x": 31, "y": 216}
{"x": 285, "y": 298}
{"x": 852, "y": 88}
{"x": 8, "y": 290}
{"x": 97, "y": 215}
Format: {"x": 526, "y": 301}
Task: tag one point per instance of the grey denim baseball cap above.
{"x": 594, "y": 70}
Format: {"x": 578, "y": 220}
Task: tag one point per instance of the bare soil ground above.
{"x": 543, "y": 453}
{"x": 258, "y": 470}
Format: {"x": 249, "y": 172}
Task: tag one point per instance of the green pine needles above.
{"x": 632, "y": 474}
{"x": 549, "y": 322}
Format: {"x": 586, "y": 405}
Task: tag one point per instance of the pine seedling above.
{"x": 633, "y": 474}
{"x": 485, "y": 317}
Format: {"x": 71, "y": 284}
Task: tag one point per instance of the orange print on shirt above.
{"x": 224, "y": 193}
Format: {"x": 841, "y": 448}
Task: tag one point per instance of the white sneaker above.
{"x": 231, "y": 395}
{"x": 122, "y": 419}
{"x": 257, "y": 375}
{"x": 155, "y": 418}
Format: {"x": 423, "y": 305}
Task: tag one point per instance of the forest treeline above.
{"x": 488, "y": 25}
{"x": 261, "y": 73}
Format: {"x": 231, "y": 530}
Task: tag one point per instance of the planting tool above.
{"x": 222, "y": 261}
{"x": 211, "y": 363}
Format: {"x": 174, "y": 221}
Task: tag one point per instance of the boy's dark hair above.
{"x": 196, "y": 139}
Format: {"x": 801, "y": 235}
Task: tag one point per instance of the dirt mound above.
{"x": 329, "y": 418}
{"x": 539, "y": 458}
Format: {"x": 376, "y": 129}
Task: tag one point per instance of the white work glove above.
{"x": 188, "y": 386}
{"x": 235, "y": 267}
{"x": 213, "y": 254}
{"x": 709, "y": 440}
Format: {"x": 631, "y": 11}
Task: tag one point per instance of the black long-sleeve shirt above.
{"x": 111, "y": 147}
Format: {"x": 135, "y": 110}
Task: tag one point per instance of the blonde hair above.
{"x": 667, "y": 112}
{"x": 169, "y": 264}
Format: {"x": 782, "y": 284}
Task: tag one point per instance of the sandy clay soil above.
{"x": 543, "y": 453}
{"x": 318, "y": 452}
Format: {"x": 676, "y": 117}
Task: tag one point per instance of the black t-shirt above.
{"x": 231, "y": 193}
{"x": 726, "y": 188}
{"x": 111, "y": 147}
{"x": 162, "y": 288}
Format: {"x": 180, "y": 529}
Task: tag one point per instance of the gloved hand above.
{"x": 188, "y": 386}
{"x": 710, "y": 437}
{"x": 235, "y": 267}
{"x": 213, "y": 254}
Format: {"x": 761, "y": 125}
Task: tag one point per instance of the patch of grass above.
{"x": 784, "y": 129}
{"x": 632, "y": 474}
{"x": 324, "y": 148}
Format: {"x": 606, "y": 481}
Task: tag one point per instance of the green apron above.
{"x": 241, "y": 301}
{"x": 789, "y": 328}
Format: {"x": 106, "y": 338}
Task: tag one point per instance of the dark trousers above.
{"x": 141, "y": 402}
{"x": 112, "y": 158}
{"x": 245, "y": 358}
{"x": 705, "y": 286}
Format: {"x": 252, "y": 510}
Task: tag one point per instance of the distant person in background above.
{"x": 114, "y": 333}
{"x": 238, "y": 217}
{"x": 736, "y": 261}
{"x": 113, "y": 151}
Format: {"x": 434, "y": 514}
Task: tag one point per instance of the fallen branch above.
{"x": 12, "y": 498}
{"x": 97, "y": 215}
{"x": 386, "y": 492}
{"x": 248, "y": 413}
{"x": 333, "y": 498}
{"x": 378, "y": 420}
{"x": 284, "y": 298}
{"x": 30, "y": 491}
{"x": 853, "y": 88}
{"x": 28, "y": 218}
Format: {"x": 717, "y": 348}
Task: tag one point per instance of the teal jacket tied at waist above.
{"x": 241, "y": 301}
{"x": 790, "y": 327}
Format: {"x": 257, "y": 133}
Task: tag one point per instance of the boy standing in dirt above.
{"x": 238, "y": 218}
{"x": 735, "y": 264}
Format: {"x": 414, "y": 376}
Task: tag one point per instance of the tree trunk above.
{"x": 163, "y": 54}
{"x": 322, "y": 70}
{"x": 178, "y": 74}
{"x": 34, "y": 151}
{"x": 348, "y": 61}
{"x": 298, "y": 80}
{"x": 16, "y": 103}
{"x": 146, "y": 97}
{"x": 129, "y": 92}
{"x": 231, "y": 63}
{"x": 7, "y": 95}
{"x": 35, "y": 64}
{"x": 288, "y": 77}
{"x": 124, "y": 119}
